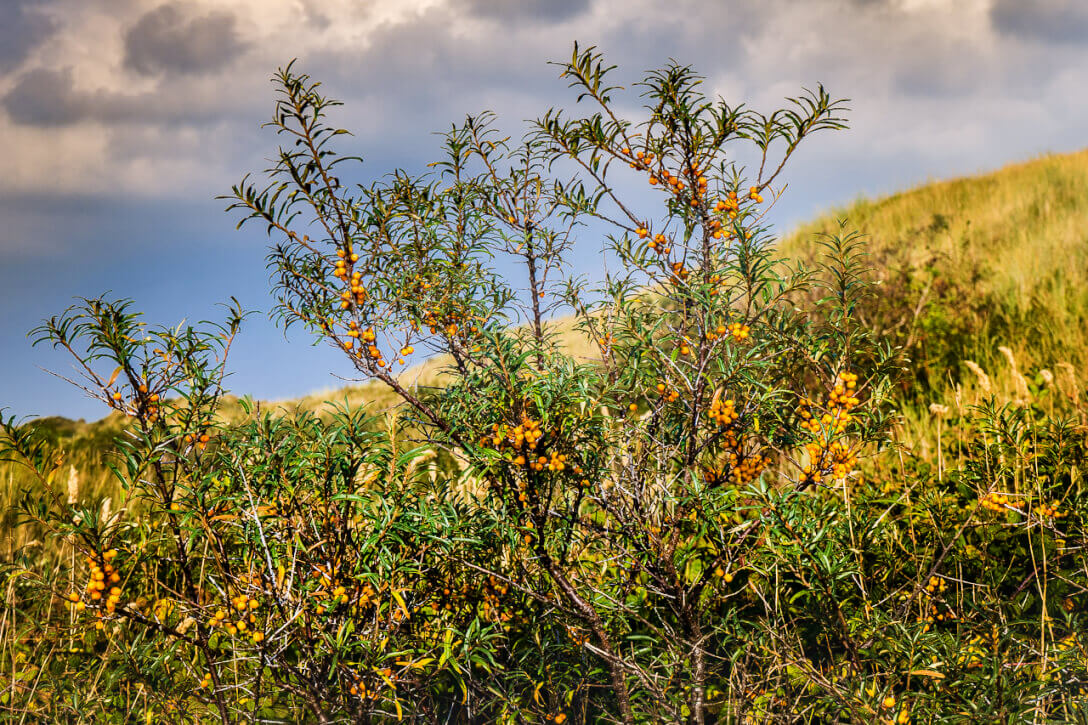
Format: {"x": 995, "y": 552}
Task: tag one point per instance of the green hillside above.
{"x": 972, "y": 264}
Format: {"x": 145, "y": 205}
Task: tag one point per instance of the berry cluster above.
{"x": 353, "y": 279}
{"x": 936, "y": 585}
{"x": 933, "y": 589}
{"x": 738, "y": 331}
{"x": 524, "y": 435}
{"x": 833, "y": 459}
{"x": 826, "y": 455}
{"x": 452, "y": 323}
{"x": 934, "y": 615}
{"x": 523, "y": 440}
{"x": 142, "y": 402}
{"x": 728, "y": 205}
{"x": 330, "y": 593}
{"x": 840, "y": 402}
{"x": 244, "y": 619}
{"x": 723, "y": 412}
{"x": 103, "y": 577}
{"x": 493, "y": 595}
{"x": 738, "y": 468}
{"x": 360, "y": 689}
{"x": 368, "y": 347}
{"x": 744, "y": 469}
{"x": 996, "y": 502}
{"x": 667, "y": 394}
{"x": 1049, "y": 510}
{"x": 556, "y": 462}
{"x": 200, "y": 440}
{"x": 451, "y": 596}
{"x": 659, "y": 243}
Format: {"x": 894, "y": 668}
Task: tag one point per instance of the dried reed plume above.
{"x": 73, "y": 486}
{"x": 1023, "y": 395}
{"x": 1069, "y": 379}
{"x": 983, "y": 378}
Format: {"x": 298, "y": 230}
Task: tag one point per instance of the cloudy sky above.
{"x": 121, "y": 120}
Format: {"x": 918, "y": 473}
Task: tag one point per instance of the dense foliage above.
{"x": 709, "y": 520}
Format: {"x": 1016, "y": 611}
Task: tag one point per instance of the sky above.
{"x": 121, "y": 121}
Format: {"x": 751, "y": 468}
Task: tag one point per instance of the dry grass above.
{"x": 984, "y": 280}
{"x": 994, "y": 260}
{"x": 426, "y": 374}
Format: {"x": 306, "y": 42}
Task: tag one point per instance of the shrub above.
{"x": 685, "y": 527}
{"x": 626, "y": 486}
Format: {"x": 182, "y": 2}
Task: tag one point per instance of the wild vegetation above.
{"x": 970, "y": 265}
{"x": 741, "y": 482}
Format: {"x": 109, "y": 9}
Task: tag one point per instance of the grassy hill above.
{"x": 972, "y": 264}
{"x": 426, "y": 374}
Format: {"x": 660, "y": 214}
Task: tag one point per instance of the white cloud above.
{"x": 937, "y": 80}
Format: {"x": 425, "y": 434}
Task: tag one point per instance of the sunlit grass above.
{"x": 972, "y": 264}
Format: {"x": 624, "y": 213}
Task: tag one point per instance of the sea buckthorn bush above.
{"x": 283, "y": 564}
{"x": 631, "y": 487}
{"x": 707, "y": 519}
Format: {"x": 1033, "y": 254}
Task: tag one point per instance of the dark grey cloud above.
{"x": 1057, "y": 21}
{"x": 511, "y": 10}
{"x": 314, "y": 16}
{"x": 23, "y": 26}
{"x": 167, "y": 40}
{"x": 47, "y": 97}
